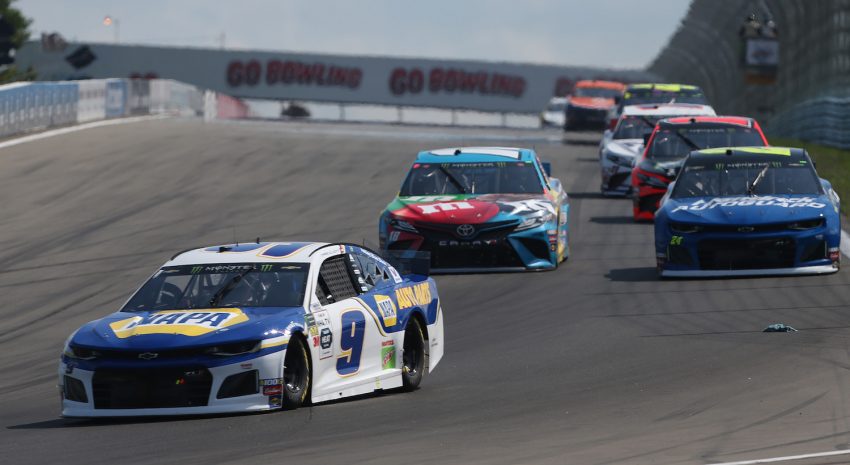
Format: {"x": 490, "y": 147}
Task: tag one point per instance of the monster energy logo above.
{"x": 197, "y": 269}
{"x": 265, "y": 267}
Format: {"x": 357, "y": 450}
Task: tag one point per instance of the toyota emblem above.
{"x": 149, "y": 355}
{"x": 465, "y": 230}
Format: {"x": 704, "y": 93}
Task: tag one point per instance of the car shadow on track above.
{"x": 633, "y": 275}
{"x": 613, "y": 220}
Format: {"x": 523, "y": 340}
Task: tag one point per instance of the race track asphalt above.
{"x": 597, "y": 362}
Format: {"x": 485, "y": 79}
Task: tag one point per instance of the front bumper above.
{"x": 616, "y": 179}
{"x": 116, "y": 390}
{"x": 496, "y": 250}
{"x": 585, "y": 116}
{"x": 647, "y": 200}
{"x": 711, "y": 254}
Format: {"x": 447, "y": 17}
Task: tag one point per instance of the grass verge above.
{"x": 832, "y": 164}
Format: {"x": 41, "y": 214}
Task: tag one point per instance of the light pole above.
{"x": 112, "y": 21}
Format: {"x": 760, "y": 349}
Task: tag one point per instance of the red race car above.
{"x": 672, "y": 140}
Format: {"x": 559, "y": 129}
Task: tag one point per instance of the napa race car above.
{"x": 748, "y": 211}
{"x": 251, "y": 327}
{"x": 479, "y": 209}
{"x": 619, "y": 148}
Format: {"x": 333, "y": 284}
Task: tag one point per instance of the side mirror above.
{"x": 547, "y": 168}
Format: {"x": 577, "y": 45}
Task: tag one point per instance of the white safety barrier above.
{"x": 34, "y": 106}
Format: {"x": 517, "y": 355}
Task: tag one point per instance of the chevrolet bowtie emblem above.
{"x": 149, "y": 355}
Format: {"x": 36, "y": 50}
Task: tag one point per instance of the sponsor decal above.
{"x": 287, "y": 72}
{"x": 760, "y": 201}
{"x": 444, "y": 207}
{"x": 676, "y": 240}
{"x": 387, "y": 355}
{"x": 529, "y": 206}
{"x": 195, "y": 322}
{"x": 410, "y": 296}
{"x": 246, "y": 366}
{"x": 387, "y": 309}
{"x": 275, "y": 401}
{"x": 270, "y": 381}
{"x": 325, "y": 336}
{"x": 273, "y": 390}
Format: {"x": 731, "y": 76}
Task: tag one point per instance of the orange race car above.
{"x": 589, "y": 103}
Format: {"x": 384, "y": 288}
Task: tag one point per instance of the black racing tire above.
{"x": 296, "y": 374}
{"x": 414, "y": 359}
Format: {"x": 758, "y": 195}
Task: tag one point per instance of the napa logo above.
{"x": 195, "y": 322}
{"x": 387, "y": 309}
{"x": 419, "y": 294}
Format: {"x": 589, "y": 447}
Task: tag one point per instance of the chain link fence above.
{"x": 809, "y": 96}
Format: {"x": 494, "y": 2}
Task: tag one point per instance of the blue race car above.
{"x": 479, "y": 209}
{"x": 250, "y": 327}
{"x": 748, "y": 211}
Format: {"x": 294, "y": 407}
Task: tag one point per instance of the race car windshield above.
{"x": 634, "y": 127}
{"x": 671, "y": 144}
{"x": 472, "y": 178}
{"x": 646, "y": 96}
{"x": 596, "y": 92}
{"x": 222, "y": 285}
{"x": 713, "y": 177}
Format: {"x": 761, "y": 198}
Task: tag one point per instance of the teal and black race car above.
{"x": 478, "y": 209}
{"x": 748, "y": 211}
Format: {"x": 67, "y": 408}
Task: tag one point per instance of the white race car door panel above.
{"x": 349, "y": 350}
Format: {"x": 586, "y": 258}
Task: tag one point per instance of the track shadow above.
{"x": 633, "y": 275}
{"x": 584, "y": 142}
{"x": 586, "y": 195}
{"x": 612, "y": 220}
{"x": 587, "y": 160}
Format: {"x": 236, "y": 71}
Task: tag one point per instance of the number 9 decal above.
{"x": 352, "y": 332}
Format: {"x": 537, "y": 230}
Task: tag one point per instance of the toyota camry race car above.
{"x": 251, "y": 327}
{"x": 479, "y": 209}
{"x": 589, "y": 103}
{"x": 748, "y": 211}
{"x": 671, "y": 141}
{"x": 619, "y": 148}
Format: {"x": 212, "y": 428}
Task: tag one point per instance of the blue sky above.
{"x": 608, "y": 33}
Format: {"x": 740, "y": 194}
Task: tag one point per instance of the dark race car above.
{"x": 670, "y": 143}
{"x": 479, "y": 209}
{"x": 748, "y": 211}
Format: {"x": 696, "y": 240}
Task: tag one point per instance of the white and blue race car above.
{"x": 251, "y": 327}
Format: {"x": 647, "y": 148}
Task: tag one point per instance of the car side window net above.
{"x": 334, "y": 276}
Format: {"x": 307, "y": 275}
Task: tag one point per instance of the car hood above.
{"x": 626, "y": 147}
{"x": 175, "y": 329}
{"x": 470, "y": 208}
{"x": 592, "y": 102}
{"x": 748, "y": 210}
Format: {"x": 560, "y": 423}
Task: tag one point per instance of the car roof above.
{"x": 713, "y": 120}
{"x": 601, "y": 84}
{"x": 668, "y": 109}
{"x": 251, "y": 252}
{"x": 475, "y": 154}
{"x": 749, "y": 151}
{"x": 663, "y": 87}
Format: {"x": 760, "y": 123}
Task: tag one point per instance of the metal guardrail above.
{"x": 810, "y": 95}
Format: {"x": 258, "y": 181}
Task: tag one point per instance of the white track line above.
{"x": 80, "y": 127}
{"x": 845, "y": 243}
{"x": 788, "y": 458}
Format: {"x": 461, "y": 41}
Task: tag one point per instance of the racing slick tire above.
{"x": 414, "y": 357}
{"x": 296, "y": 374}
